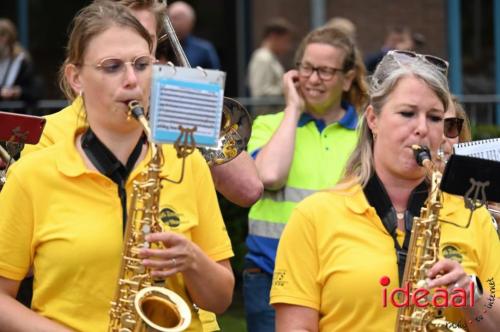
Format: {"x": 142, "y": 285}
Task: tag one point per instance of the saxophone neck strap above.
{"x": 379, "y": 199}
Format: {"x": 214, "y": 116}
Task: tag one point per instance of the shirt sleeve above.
{"x": 262, "y": 131}
{"x": 489, "y": 266}
{"x": 210, "y": 234}
{"x": 297, "y": 264}
{"x": 16, "y": 228}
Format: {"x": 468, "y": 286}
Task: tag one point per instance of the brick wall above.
{"x": 372, "y": 18}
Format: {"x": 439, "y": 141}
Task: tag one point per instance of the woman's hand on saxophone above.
{"x": 198, "y": 270}
{"x": 177, "y": 255}
{"x": 447, "y": 273}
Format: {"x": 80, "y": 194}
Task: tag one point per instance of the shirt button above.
{"x": 327, "y": 149}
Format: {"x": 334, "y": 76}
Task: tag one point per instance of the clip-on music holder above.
{"x": 184, "y": 145}
{"x": 476, "y": 179}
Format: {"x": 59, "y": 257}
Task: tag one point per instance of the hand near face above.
{"x": 291, "y": 90}
{"x": 178, "y": 254}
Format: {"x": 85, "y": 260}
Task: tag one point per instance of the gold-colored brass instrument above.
{"x": 236, "y": 124}
{"x": 141, "y": 303}
{"x": 423, "y": 251}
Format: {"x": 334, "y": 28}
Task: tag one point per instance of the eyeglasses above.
{"x": 325, "y": 73}
{"x": 442, "y": 65}
{"x": 452, "y": 127}
{"x": 113, "y": 66}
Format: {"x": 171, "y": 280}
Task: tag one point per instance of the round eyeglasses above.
{"x": 113, "y": 66}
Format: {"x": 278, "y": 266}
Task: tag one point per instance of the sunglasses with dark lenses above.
{"x": 452, "y": 127}
{"x": 116, "y": 66}
{"x": 440, "y": 64}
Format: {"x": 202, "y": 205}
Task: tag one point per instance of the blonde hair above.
{"x": 90, "y": 22}
{"x": 358, "y": 93}
{"x": 389, "y": 72}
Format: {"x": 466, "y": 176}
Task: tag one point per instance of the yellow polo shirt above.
{"x": 334, "y": 250}
{"x": 66, "y": 222}
{"x": 63, "y": 124}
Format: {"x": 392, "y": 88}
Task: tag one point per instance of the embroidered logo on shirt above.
{"x": 452, "y": 252}
{"x": 279, "y": 278}
{"x": 169, "y": 217}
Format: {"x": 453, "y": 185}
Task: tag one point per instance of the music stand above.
{"x": 476, "y": 179}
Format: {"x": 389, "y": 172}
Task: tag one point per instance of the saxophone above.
{"x": 422, "y": 254}
{"x": 140, "y": 305}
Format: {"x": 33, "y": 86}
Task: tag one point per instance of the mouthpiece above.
{"x": 136, "y": 110}
{"x": 422, "y": 154}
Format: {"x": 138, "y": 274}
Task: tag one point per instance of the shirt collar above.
{"x": 349, "y": 120}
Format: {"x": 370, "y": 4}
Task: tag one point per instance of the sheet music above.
{"x": 186, "y": 97}
{"x": 486, "y": 149}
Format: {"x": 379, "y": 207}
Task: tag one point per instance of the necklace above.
{"x": 400, "y": 215}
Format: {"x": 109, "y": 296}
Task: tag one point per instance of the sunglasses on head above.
{"x": 440, "y": 64}
{"x": 452, "y": 127}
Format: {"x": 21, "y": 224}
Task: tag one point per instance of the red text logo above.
{"x": 423, "y": 297}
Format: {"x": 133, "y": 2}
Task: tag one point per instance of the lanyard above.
{"x": 378, "y": 198}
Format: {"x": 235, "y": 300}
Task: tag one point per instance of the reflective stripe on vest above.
{"x": 274, "y": 229}
{"x": 265, "y": 228}
{"x": 288, "y": 194}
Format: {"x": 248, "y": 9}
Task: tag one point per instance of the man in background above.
{"x": 199, "y": 52}
{"x": 265, "y": 72}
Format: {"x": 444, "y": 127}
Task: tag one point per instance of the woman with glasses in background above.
{"x": 457, "y": 130}
{"x": 344, "y": 248}
{"x": 64, "y": 208}
{"x": 299, "y": 151}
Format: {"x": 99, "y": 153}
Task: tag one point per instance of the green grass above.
{"x": 233, "y": 320}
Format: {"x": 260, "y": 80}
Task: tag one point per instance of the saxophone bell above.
{"x": 140, "y": 304}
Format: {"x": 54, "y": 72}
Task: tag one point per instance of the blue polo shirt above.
{"x": 321, "y": 152}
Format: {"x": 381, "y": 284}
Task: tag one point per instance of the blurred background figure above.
{"x": 265, "y": 71}
{"x": 343, "y": 24}
{"x": 396, "y": 37}
{"x": 200, "y": 52}
{"x": 17, "y": 78}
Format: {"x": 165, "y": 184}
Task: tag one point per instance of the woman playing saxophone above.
{"x": 64, "y": 207}
{"x": 342, "y": 254}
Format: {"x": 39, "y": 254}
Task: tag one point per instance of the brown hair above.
{"x": 90, "y": 22}
{"x": 278, "y": 26}
{"x": 7, "y": 29}
{"x": 154, "y": 6}
{"x": 358, "y": 93}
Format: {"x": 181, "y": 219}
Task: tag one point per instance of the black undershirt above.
{"x": 108, "y": 165}
{"x": 378, "y": 198}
